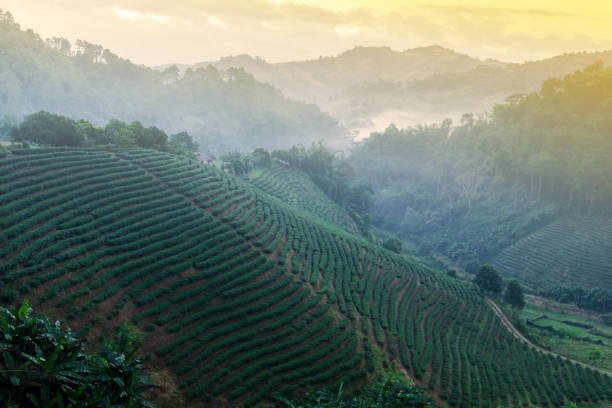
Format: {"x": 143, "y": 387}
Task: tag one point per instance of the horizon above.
{"x": 189, "y": 32}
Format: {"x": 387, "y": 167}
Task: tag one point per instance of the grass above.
{"x": 567, "y": 339}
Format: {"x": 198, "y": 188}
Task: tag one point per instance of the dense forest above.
{"x": 471, "y": 189}
{"x": 222, "y": 109}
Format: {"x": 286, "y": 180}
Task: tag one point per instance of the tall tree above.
{"x": 514, "y": 295}
{"x": 489, "y": 279}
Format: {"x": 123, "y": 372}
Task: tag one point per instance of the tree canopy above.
{"x": 488, "y": 279}
{"x": 514, "y": 295}
{"x": 470, "y": 189}
{"x": 335, "y": 176}
{"x": 43, "y": 128}
{"x": 393, "y": 244}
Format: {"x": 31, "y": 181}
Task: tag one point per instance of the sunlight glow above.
{"x": 138, "y": 16}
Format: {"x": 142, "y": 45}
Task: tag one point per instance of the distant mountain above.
{"x": 368, "y": 88}
{"x": 223, "y": 110}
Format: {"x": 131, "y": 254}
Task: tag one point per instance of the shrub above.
{"x": 44, "y": 364}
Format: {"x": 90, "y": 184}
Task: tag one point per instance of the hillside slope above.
{"x": 295, "y": 188}
{"x": 574, "y": 251}
{"x": 83, "y": 80}
{"x": 242, "y": 298}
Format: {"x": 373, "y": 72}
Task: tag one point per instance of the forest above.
{"x": 468, "y": 190}
{"x": 86, "y": 80}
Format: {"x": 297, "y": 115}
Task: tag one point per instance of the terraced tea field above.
{"x": 294, "y": 187}
{"x": 241, "y": 296}
{"x": 576, "y": 251}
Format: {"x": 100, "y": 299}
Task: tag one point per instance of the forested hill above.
{"x": 222, "y": 109}
{"x": 316, "y": 80}
{"x": 242, "y": 299}
{"x": 468, "y": 191}
{"x": 406, "y": 87}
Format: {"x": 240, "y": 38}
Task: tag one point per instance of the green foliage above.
{"x": 253, "y": 298}
{"x": 45, "y": 366}
{"x": 47, "y": 129}
{"x": 472, "y": 189}
{"x": 514, "y": 295}
{"x": 488, "y": 279}
{"x": 577, "y": 244}
{"x": 393, "y": 244}
{"x": 296, "y": 188}
{"x": 597, "y": 299}
{"x": 185, "y": 140}
{"x": 261, "y": 158}
{"x": 335, "y": 176}
{"x": 390, "y": 393}
{"x": 236, "y": 163}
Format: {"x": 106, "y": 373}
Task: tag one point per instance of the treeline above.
{"x": 222, "y": 109}
{"x": 471, "y": 189}
{"x": 596, "y": 299}
{"x": 46, "y": 129}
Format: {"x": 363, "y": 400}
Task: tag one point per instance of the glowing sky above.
{"x": 161, "y": 31}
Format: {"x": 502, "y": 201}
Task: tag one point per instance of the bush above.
{"x": 44, "y": 365}
{"x": 393, "y": 244}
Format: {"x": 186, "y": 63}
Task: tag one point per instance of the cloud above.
{"x": 344, "y": 31}
{"x": 278, "y": 30}
{"x": 138, "y": 16}
{"x": 216, "y": 21}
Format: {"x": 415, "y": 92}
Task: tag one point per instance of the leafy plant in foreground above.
{"x": 45, "y": 366}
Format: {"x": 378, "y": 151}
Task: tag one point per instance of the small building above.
{"x": 204, "y": 159}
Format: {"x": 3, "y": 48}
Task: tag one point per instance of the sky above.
{"x": 155, "y": 32}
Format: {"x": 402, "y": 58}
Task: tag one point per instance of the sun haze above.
{"x": 155, "y": 32}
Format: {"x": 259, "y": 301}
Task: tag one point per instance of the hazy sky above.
{"x": 159, "y": 31}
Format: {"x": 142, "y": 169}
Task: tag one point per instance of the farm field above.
{"x": 572, "y": 336}
{"x": 294, "y": 187}
{"x": 243, "y": 298}
{"x": 576, "y": 251}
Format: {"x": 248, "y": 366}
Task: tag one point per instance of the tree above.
{"x": 514, "y": 295}
{"x": 261, "y": 158}
{"x": 184, "y": 139}
{"x": 393, "y": 244}
{"x": 488, "y": 279}
{"x": 45, "y": 365}
{"x": 236, "y": 163}
{"x": 47, "y": 129}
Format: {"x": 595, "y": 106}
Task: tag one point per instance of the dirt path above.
{"x": 506, "y": 322}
